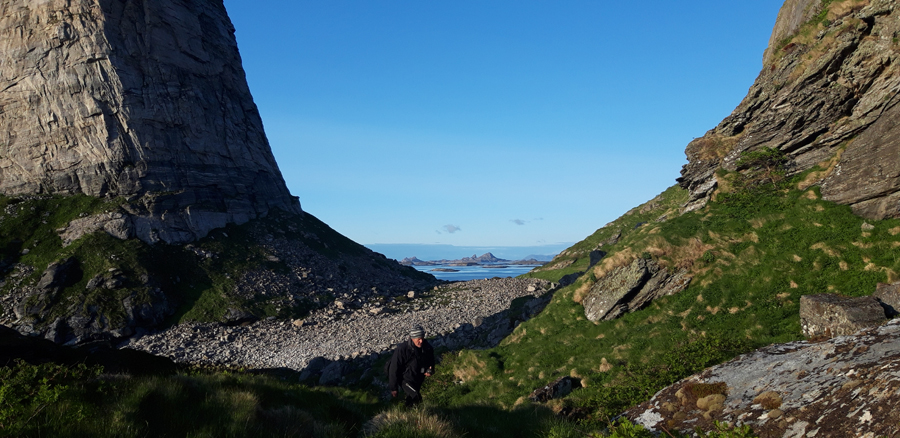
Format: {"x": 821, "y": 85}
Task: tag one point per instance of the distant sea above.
{"x": 467, "y": 273}
{"x": 399, "y": 251}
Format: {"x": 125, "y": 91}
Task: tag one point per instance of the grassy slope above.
{"x": 752, "y": 256}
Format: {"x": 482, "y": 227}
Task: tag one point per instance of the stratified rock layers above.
{"x": 141, "y": 99}
{"x": 826, "y": 97}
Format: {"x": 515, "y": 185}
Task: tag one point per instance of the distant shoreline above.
{"x": 486, "y": 260}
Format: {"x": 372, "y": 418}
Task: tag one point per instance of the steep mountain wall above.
{"x": 141, "y": 99}
{"x": 793, "y": 14}
{"x": 827, "y": 96}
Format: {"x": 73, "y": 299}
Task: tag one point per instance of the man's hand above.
{"x": 393, "y": 393}
{"x": 427, "y": 374}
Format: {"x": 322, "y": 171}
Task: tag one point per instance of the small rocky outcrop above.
{"x": 129, "y": 308}
{"x": 632, "y": 287}
{"x": 115, "y": 224}
{"x": 558, "y": 388}
{"x": 55, "y": 278}
{"x": 847, "y": 386}
{"x": 826, "y": 96}
{"x": 832, "y": 315}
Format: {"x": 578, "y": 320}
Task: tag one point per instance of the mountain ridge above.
{"x": 826, "y": 98}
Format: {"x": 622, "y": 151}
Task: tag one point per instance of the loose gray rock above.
{"x": 832, "y": 315}
{"x": 632, "y": 287}
{"x": 359, "y": 336}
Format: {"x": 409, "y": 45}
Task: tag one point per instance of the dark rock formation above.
{"x": 558, "y": 388}
{"x": 832, "y": 315}
{"x": 57, "y": 276}
{"x": 826, "y": 96}
{"x": 630, "y": 288}
{"x": 844, "y": 387}
{"x": 14, "y": 346}
{"x": 888, "y": 295}
{"x": 145, "y": 100}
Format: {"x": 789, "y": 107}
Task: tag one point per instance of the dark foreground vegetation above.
{"x": 81, "y": 401}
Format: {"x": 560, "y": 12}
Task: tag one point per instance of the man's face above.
{"x": 418, "y": 342}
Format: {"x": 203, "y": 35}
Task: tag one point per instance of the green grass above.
{"x": 52, "y": 400}
{"x": 752, "y": 254}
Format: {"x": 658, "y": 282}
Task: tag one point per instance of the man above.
{"x": 411, "y": 363}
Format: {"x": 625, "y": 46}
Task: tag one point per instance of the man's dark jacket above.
{"x": 409, "y": 365}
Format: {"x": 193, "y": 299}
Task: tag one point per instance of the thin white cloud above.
{"x": 452, "y": 228}
{"x": 517, "y": 221}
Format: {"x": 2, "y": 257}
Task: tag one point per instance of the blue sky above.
{"x": 490, "y": 122}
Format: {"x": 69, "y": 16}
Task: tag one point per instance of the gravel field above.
{"x": 341, "y": 331}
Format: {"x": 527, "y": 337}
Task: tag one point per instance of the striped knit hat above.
{"x": 416, "y": 332}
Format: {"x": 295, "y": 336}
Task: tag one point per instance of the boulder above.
{"x": 314, "y": 367}
{"x": 833, "y": 315}
{"x": 841, "y": 387}
{"x": 54, "y": 279}
{"x": 332, "y": 374}
{"x": 59, "y": 275}
{"x": 595, "y": 256}
{"x": 560, "y": 387}
{"x": 115, "y": 224}
{"x": 235, "y": 316}
{"x": 147, "y": 308}
{"x": 630, "y": 288}
{"x": 888, "y": 295}
{"x": 603, "y": 300}
{"x": 569, "y": 278}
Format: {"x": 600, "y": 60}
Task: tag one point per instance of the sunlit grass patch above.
{"x": 412, "y": 423}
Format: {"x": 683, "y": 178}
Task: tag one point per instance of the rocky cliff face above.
{"x": 144, "y": 107}
{"x": 827, "y": 96}
{"x": 141, "y": 99}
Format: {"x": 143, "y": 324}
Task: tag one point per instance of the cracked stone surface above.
{"x": 848, "y": 386}
{"x": 830, "y": 100}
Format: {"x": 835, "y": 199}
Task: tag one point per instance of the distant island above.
{"x": 486, "y": 260}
